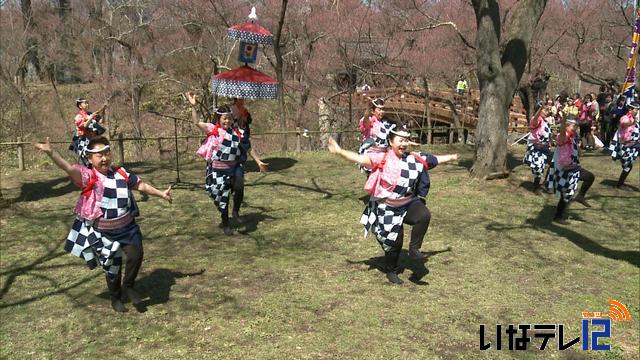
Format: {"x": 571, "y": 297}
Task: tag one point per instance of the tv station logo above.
{"x": 596, "y": 327}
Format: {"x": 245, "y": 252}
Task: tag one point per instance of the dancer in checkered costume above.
{"x": 565, "y": 171}
{"x": 538, "y": 148}
{"x": 105, "y": 227}
{"x": 374, "y": 130}
{"x": 87, "y": 127}
{"x": 398, "y": 179}
{"x": 625, "y": 145}
{"x": 223, "y": 149}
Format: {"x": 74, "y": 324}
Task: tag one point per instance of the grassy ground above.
{"x": 299, "y": 281}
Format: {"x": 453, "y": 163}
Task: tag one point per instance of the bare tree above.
{"x": 30, "y": 66}
{"x": 277, "y": 50}
{"x": 501, "y": 64}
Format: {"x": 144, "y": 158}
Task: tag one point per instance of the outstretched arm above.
{"x": 262, "y": 165}
{"x": 334, "y": 148}
{"x": 73, "y": 172}
{"x": 191, "y": 97}
{"x": 446, "y": 158}
{"x": 148, "y": 189}
{"x": 562, "y": 133}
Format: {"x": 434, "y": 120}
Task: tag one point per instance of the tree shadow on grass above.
{"x": 275, "y": 164}
{"x": 40, "y": 190}
{"x": 26, "y": 270}
{"x": 512, "y": 162}
{"x": 316, "y": 188}
{"x": 417, "y": 267}
{"x": 543, "y": 222}
{"x": 59, "y": 290}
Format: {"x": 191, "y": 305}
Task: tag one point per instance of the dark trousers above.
{"x": 133, "y": 255}
{"x": 604, "y": 132}
{"x": 237, "y": 186}
{"x": 613, "y": 127}
{"x": 418, "y": 216}
{"x": 587, "y": 179}
{"x": 623, "y": 176}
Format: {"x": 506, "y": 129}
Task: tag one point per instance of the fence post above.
{"x": 297, "y": 139}
{"x": 20, "y": 155}
{"x": 121, "y": 148}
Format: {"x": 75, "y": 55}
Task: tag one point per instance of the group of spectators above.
{"x": 598, "y": 116}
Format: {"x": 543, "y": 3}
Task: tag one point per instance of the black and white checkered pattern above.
{"x": 89, "y": 244}
{"x": 380, "y": 140}
{"x": 229, "y": 149}
{"x": 79, "y": 145}
{"x": 538, "y": 151}
{"x": 250, "y": 37}
{"x": 386, "y": 221}
{"x": 626, "y": 154}
{"x": 218, "y": 185}
{"x": 564, "y": 181}
{"x": 117, "y": 198}
{"x": 385, "y": 129}
{"x": 536, "y": 158}
{"x": 243, "y": 89}
{"x": 409, "y": 175}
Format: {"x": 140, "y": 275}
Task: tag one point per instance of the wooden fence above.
{"x": 120, "y": 140}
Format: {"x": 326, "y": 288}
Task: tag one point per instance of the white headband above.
{"x": 223, "y": 113}
{"x": 375, "y": 103}
{"x": 401, "y": 133}
{"x": 95, "y": 151}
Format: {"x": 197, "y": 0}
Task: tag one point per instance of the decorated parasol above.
{"x": 250, "y": 32}
{"x": 245, "y": 83}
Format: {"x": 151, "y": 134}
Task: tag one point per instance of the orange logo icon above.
{"x": 619, "y": 312}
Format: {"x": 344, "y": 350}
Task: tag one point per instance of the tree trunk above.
{"x": 99, "y": 49}
{"x": 325, "y": 121}
{"x": 279, "y": 73}
{"x": 136, "y": 97}
{"x": 30, "y": 68}
{"x": 500, "y": 68}
{"x": 67, "y": 71}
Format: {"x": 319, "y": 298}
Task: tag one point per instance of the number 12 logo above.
{"x": 595, "y": 335}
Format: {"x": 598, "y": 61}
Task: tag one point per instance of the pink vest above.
{"x": 565, "y": 151}
{"x": 374, "y": 127}
{"x": 211, "y": 143}
{"x": 626, "y": 128}
{"x": 88, "y": 205}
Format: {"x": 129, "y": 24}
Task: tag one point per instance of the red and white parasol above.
{"x": 251, "y": 32}
{"x": 245, "y": 83}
